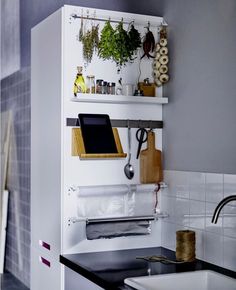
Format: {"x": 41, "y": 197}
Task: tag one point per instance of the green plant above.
{"x": 118, "y": 44}
{"x": 122, "y": 52}
{"x": 106, "y": 43}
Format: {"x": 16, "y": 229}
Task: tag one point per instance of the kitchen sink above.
{"x": 196, "y": 280}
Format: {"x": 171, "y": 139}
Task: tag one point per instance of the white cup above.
{"x": 127, "y": 90}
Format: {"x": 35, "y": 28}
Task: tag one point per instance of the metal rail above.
{"x": 122, "y": 123}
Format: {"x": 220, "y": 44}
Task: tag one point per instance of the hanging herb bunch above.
{"x": 107, "y": 42}
{"x": 122, "y": 52}
{"x": 118, "y": 44}
{"x": 90, "y": 41}
{"x": 134, "y": 39}
{"x": 115, "y": 44}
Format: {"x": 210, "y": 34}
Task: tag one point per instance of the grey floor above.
{"x": 9, "y": 282}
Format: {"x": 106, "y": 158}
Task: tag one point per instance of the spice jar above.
{"x": 99, "y": 86}
{"x": 91, "y": 84}
{"x": 104, "y": 87}
{"x": 111, "y": 88}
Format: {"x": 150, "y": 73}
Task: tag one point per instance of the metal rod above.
{"x": 121, "y": 123}
{"x": 121, "y": 219}
{"x": 75, "y": 16}
{"x": 112, "y": 219}
{"x": 160, "y": 23}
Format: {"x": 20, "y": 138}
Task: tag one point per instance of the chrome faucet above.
{"x": 220, "y": 205}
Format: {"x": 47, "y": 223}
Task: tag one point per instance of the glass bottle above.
{"x": 111, "y": 88}
{"x": 104, "y": 87}
{"x": 91, "y": 84}
{"x": 79, "y": 84}
{"x": 99, "y": 86}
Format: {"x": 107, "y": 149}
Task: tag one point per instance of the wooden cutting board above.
{"x": 151, "y": 162}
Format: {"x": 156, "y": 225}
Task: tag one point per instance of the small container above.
{"x": 91, "y": 84}
{"x": 104, "y": 87}
{"x": 138, "y": 93}
{"x": 99, "y": 86}
{"x": 111, "y": 88}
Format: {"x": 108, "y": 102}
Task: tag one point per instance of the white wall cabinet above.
{"x": 55, "y": 55}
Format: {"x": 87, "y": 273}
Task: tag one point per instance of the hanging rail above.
{"x": 112, "y": 219}
{"x": 153, "y": 217}
{"x": 76, "y": 16}
{"x": 123, "y": 123}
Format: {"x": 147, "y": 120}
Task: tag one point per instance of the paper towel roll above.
{"x": 102, "y": 190}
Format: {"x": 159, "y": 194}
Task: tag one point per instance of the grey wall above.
{"x": 15, "y": 96}
{"x": 200, "y": 131}
{"x": 10, "y": 37}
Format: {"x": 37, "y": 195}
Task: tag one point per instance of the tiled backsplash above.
{"x": 190, "y": 200}
{"x": 15, "y": 96}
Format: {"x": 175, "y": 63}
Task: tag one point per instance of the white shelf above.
{"x": 118, "y": 99}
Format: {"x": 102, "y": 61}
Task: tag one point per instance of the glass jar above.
{"x": 111, "y": 88}
{"x": 99, "y": 86}
{"x": 104, "y": 87}
{"x": 91, "y": 84}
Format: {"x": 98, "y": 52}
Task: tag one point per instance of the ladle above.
{"x": 128, "y": 169}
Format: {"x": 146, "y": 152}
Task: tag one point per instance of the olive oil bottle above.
{"x": 79, "y": 84}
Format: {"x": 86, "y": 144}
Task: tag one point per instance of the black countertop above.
{"x": 109, "y": 269}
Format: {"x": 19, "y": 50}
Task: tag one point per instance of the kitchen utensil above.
{"x": 141, "y": 136}
{"x": 128, "y": 169}
{"x": 150, "y": 162}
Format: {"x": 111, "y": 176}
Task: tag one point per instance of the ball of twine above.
{"x": 185, "y": 246}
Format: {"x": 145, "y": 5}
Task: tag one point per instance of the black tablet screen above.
{"x": 97, "y": 133}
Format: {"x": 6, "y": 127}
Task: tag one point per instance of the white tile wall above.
{"x": 197, "y": 185}
{"x": 230, "y": 186}
{"x": 197, "y": 214}
{"x": 229, "y": 259}
{"x": 214, "y": 187}
{"x": 190, "y": 201}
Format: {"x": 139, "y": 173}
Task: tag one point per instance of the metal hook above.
{"x": 150, "y": 125}
{"x": 139, "y": 122}
{"x": 131, "y": 23}
{"x": 148, "y": 26}
{"x": 128, "y": 125}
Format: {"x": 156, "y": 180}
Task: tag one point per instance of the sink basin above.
{"x": 196, "y": 280}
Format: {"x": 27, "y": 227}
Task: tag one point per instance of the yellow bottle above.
{"x": 79, "y": 84}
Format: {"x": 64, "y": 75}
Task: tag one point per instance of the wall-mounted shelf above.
{"x": 118, "y": 99}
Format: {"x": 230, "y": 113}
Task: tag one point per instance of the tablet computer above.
{"x": 97, "y": 133}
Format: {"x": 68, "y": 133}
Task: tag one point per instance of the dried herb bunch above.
{"x": 90, "y": 41}
{"x": 134, "y": 39}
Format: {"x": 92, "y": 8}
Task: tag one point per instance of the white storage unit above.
{"x": 55, "y": 55}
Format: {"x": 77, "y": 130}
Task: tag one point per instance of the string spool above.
{"x": 185, "y": 246}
